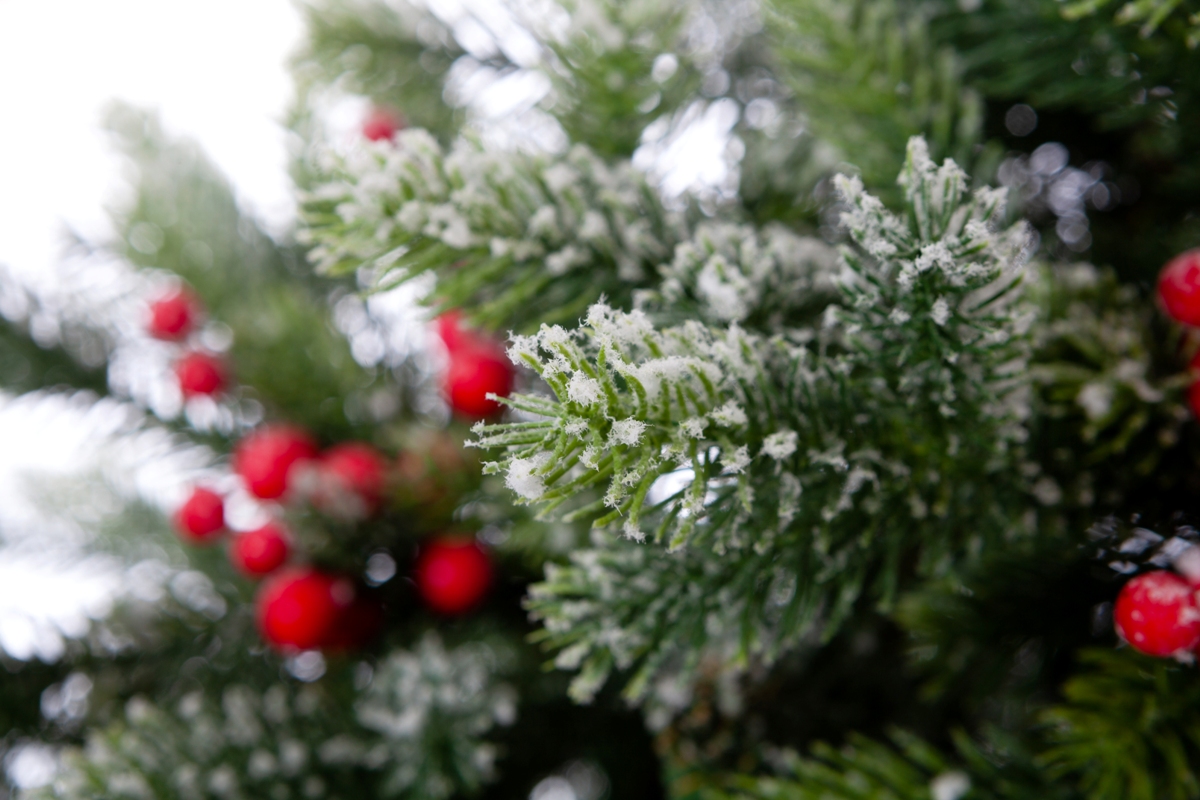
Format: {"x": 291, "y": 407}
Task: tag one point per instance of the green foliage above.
{"x": 907, "y": 768}
{"x": 278, "y": 743}
{"x": 415, "y": 732}
{"x": 1149, "y": 13}
{"x": 807, "y": 473}
{"x": 64, "y": 354}
{"x": 513, "y": 238}
{"x": 1110, "y": 389}
{"x": 184, "y": 218}
{"x": 867, "y": 75}
{"x": 1128, "y": 728}
{"x": 397, "y": 53}
{"x": 603, "y": 71}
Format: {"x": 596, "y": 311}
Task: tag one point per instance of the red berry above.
{"x": 301, "y": 608}
{"x": 261, "y": 551}
{"x": 1157, "y": 614}
{"x": 1179, "y": 288}
{"x": 173, "y": 316}
{"x": 352, "y": 480}
{"x": 453, "y": 574}
{"x": 473, "y": 373}
{"x": 201, "y": 518}
{"x": 450, "y": 329}
{"x": 266, "y": 457}
{"x": 200, "y": 374}
{"x": 381, "y": 125}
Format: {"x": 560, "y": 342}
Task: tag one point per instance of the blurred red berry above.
{"x": 473, "y": 373}
{"x": 301, "y": 608}
{"x": 265, "y": 459}
{"x": 453, "y": 574}
{"x": 261, "y": 551}
{"x": 200, "y": 374}
{"x": 201, "y": 518}
{"x": 382, "y": 125}
{"x": 353, "y": 476}
{"x": 1157, "y": 614}
{"x": 173, "y": 316}
{"x": 1179, "y": 288}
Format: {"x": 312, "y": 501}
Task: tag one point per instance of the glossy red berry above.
{"x": 301, "y": 608}
{"x": 453, "y": 574}
{"x": 1157, "y": 614}
{"x": 1179, "y": 288}
{"x": 381, "y": 125}
{"x": 352, "y": 479}
{"x": 473, "y": 373}
{"x": 265, "y": 459}
{"x": 201, "y": 518}
{"x": 173, "y": 316}
{"x": 200, "y": 374}
{"x": 261, "y": 551}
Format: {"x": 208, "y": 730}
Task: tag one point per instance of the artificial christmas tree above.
{"x": 829, "y": 396}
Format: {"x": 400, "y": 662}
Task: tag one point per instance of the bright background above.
{"x": 217, "y": 72}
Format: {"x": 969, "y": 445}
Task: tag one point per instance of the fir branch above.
{"x": 397, "y": 53}
{"x": 511, "y": 237}
{"x": 867, "y": 76}
{"x": 810, "y": 465}
{"x": 1148, "y": 14}
{"x": 416, "y": 732}
{"x": 735, "y": 273}
{"x": 1129, "y": 728}
{"x": 906, "y": 768}
{"x": 605, "y": 85}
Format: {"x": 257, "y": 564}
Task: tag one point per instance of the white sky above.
{"x": 215, "y": 69}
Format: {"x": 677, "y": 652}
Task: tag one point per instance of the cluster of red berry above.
{"x": 1179, "y": 295}
{"x": 302, "y": 607}
{"x": 173, "y": 318}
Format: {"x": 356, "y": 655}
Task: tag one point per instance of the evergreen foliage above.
{"x": 825, "y": 478}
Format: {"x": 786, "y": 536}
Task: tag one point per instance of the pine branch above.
{"x": 1128, "y": 728}
{"x": 184, "y": 218}
{"x": 906, "y": 768}
{"x": 1151, "y": 14}
{"x": 396, "y": 53}
{"x": 512, "y": 237}
{"x": 417, "y": 732}
{"x": 810, "y": 465}
{"x": 603, "y": 71}
{"x": 868, "y": 76}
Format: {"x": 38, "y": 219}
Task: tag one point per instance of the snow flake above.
{"x": 940, "y": 313}
{"x": 781, "y": 444}
{"x": 521, "y": 478}
{"x": 584, "y": 390}
{"x": 729, "y": 415}
{"x": 627, "y": 432}
{"x": 737, "y": 461}
{"x": 576, "y": 427}
{"x": 694, "y": 428}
